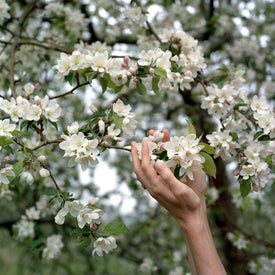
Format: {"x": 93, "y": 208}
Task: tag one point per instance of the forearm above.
{"x": 202, "y": 252}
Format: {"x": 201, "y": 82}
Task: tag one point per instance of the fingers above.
{"x": 166, "y": 135}
{"x": 167, "y": 176}
{"x": 151, "y": 132}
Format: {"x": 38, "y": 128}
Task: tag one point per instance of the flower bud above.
{"x": 42, "y": 158}
{"x": 73, "y": 129}
{"x": 132, "y": 69}
{"x": 123, "y": 66}
{"x": 8, "y": 165}
{"x": 93, "y": 108}
{"x": 44, "y": 172}
{"x": 119, "y": 139}
{"x": 188, "y": 73}
{"x": 36, "y": 85}
{"x": 27, "y": 177}
{"x": 6, "y": 158}
{"x": 255, "y": 188}
{"x": 135, "y": 79}
{"x": 151, "y": 71}
{"x": 236, "y": 173}
{"x": 101, "y": 126}
{"x": 38, "y": 101}
{"x": 126, "y": 59}
{"x": 94, "y": 201}
{"x": 245, "y": 158}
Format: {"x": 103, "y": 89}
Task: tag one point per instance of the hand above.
{"x": 182, "y": 201}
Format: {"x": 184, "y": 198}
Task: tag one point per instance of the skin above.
{"x": 185, "y": 201}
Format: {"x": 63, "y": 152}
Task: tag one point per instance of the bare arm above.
{"x": 185, "y": 201}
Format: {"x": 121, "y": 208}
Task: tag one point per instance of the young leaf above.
{"x": 140, "y": 88}
{"x": 209, "y": 166}
{"x": 155, "y": 84}
{"x": 161, "y": 72}
{"x": 49, "y": 191}
{"x": 5, "y": 140}
{"x": 104, "y": 83}
{"x": 234, "y": 136}
{"x": 84, "y": 242}
{"x": 116, "y": 228}
{"x": 17, "y": 168}
{"x": 17, "y": 132}
{"x": 191, "y": 128}
{"x": 245, "y": 188}
{"x": 207, "y": 148}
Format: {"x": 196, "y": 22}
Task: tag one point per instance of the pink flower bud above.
{"x": 255, "y": 188}
{"x": 123, "y": 66}
{"x": 38, "y": 102}
{"x": 86, "y": 44}
{"x": 8, "y": 165}
{"x": 225, "y": 101}
{"x": 126, "y": 59}
{"x": 119, "y": 139}
{"x": 162, "y": 146}
{"x": 229, "y": 112}
{"x": 235, "y": 97}
{"x": 101, "y": 126}
{"x": 236, "y": 173}
{"x": 110, "y": 105}
{"x": 94, "y": 201}
{"x": 128, "y": 73}
{"x": 44, "y": 172}
{"x": 6, "y": 158}
{"x": 111, "y": 135}
{"x": 135, "y": 79}
{"x": 244, "y": 166}
{"x": 245, "y": 158}
{"x": 36, "y": 85}
{"x": 42, "y": 158}
{"x": 94, "y": 226}
{"x": 22, "y": 88}
{"x": 132, "y": 70}
{"x": 240, "y": 181}
{"x": 151, "y": 71}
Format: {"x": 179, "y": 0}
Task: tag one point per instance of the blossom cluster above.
{"x": 238, "y": 241}
{"x": 78, "y": 148}
{"x": 91, "y": 217}
{"x": 26, "y": 110}
{"x": 180, "y": 154}
{"x": 4, "y": 8}
{"x": 178, "y": 65}
{"x": 75, "y": 21}
{"x": 53, "y": 247}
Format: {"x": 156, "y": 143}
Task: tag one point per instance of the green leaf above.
{"x": 84, "y": 242}
{"x": 36, "y": 243}
{"x": 95, "y": 115}
{"x": 209, "y": 166}
{"x": 163, "y": 155}
{"x": 207, "y": 148}
{"x": 234, "y": 136}
{"x": 191, "y": 128}
{"x": 164, "y": 46}
{"x": 104, "y": 84}
{"x": 259, "y": 133}
{"x": 155, "y": 84}
{"x": 239, "y": 105}
{"x": 17, "y": 132}
{"x": 224, "y": 69}
{"x": 140, "y": 88}
{"x": 79, "y": 231}
{"x": 5, "y": 140}
{"x": 111, "y": 84}
{"x": 116, "y": 228}
{"x": 221, "y": 79}
{"x": 54, "y": 125}
{"x": 17, "y": 168}
{"x": 23, "y": 124}
{"x": 161, "y": 72}
{"x": 245, "y": 187}
{"x": 117, "y": 89}
{"x": 177, "y": 173}
{"x": 268, "y": 159}
{"x": 117, "y": 120}
{"x": 264, "y": 138}
{"x": 71, "y": 78}
{"x": 49, "y": 191}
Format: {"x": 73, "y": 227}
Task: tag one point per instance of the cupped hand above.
{"x": 180, "y": 199}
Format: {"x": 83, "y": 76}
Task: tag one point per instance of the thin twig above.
{"x": 47, "y": 142}
{"x": 115, "y": 147}
{"x": 71, "y": 91}
{"x": 150, "y": 27}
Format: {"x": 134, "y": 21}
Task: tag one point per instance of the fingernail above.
{"x": 160, "y": 166}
